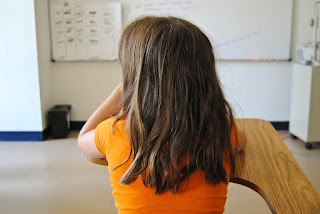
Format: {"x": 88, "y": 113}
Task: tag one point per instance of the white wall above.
{"x": 30, "y": 83}
{"x": 84, "y": 85}
{"x": 20, "y": 108}
{"x": 263, "y": 89}
{"x": 302, "y": 32}
{"x": 44, "y": 58}
{"x": 256, "y": 89}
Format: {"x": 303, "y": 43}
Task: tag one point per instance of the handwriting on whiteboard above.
{"x": 161, "y": 7}
{"x": 239, "y": 39}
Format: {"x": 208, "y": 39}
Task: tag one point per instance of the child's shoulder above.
{"x": 113, "y": 121}
{"x": 112, "y": 125}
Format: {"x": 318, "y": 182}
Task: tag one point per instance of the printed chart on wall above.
{"x": 238, "y": 29}
{"x": 83, "y": 30}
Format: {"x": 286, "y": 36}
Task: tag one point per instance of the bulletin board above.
{"x": 84, "y": 30}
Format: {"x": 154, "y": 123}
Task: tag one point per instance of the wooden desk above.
{"x": 268, "y": 167}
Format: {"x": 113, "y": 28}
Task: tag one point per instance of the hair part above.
{"x": 177, "y": 117}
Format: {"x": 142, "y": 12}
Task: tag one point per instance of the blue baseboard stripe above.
{"x": 77, "y": 125}
{"x": 21, "y": 136}
{"x": 280, "y": 126}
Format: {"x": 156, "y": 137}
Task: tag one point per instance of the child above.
{"x": 171, "y": 147}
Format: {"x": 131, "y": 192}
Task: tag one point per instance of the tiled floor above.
{"x": 55, "y": 177}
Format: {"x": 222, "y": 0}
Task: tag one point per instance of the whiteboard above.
{"x": 84, "y": 30}
{"x": 238, "y": 29}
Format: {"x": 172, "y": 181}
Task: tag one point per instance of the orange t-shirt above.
{"x": 199, "y": 197}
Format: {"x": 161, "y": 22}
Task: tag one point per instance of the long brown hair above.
{"x": 174, "y": 106}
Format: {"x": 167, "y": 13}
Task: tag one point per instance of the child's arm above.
{"x": 242, "y": 141}
{"x": 111, "y": 106}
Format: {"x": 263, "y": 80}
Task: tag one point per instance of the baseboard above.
{"x": 77, "y": 125}
{"x": 21, "y": 136}
{"x": 36, "y": 136}
{"x": 280, "y": 126}
{"x": 46, "y": 133}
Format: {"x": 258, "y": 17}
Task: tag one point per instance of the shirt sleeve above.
{"x": 101, "y": 135}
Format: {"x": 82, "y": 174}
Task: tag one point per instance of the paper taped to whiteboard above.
{"x": 84, "y": 31}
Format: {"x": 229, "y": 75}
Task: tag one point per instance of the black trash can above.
{"x": 59, "y": 119}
